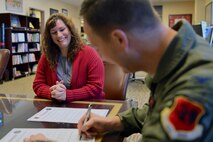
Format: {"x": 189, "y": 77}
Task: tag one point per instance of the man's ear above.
{"x": 119, "y": 38}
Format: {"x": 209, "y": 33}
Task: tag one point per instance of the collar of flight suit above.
{"x": 176, "y": 51}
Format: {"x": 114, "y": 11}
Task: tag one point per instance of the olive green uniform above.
{"x": 181, "y": 102}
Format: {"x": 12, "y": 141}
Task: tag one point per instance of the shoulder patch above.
{"x": 181, "y": 121}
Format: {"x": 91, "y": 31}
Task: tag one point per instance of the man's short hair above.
{"x": 105, "y": 15}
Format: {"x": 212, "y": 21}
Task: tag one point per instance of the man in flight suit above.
{"x": 130, "y": 34}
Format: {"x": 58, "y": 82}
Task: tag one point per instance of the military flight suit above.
{"x": 181, "y": 102}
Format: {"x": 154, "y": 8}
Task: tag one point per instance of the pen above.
{"x": 87, "y": 116}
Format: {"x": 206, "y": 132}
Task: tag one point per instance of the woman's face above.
{"x": 61, "y": 35}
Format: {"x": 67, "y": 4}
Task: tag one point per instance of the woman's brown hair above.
{"x": 50, "y": 49}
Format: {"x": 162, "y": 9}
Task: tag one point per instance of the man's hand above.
{"x": 98, "y": 124}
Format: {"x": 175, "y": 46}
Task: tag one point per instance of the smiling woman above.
{"x": 67, "y": 70}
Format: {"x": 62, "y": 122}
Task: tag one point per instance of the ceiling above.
{"x": 78, "y": 2}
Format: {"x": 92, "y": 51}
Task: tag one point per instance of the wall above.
{"x": 209, "y": 11}
{"x": 176, "y": 8}
{"x": 45, "y": 5}
{"x": 207, "y": 2}
{"x": 199, "y": 11}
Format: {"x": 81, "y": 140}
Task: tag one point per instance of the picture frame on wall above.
{"x": 173, "y": 19}
{"x": 14, "y": 5}
{"x": 52, "y": 11}
{"x": 64, "y": 11}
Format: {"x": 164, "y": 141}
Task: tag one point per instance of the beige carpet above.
{"x": 23, "y": 86}
{"x": 136, "y": 91}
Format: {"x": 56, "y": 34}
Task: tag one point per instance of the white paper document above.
{"x": 63, "y": 115}
{"x": 58, "y": 135}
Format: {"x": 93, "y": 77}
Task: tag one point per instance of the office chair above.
{"x": 4, "y": 58}
{"x": 115, "y": 82}
{"x": 139, "y": 79}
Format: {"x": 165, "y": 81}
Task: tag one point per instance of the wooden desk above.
{"x": 17, "y": 109}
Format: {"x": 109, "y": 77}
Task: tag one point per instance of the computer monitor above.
{"x": 205, "y": 31}
{"x": 197, "y": 28}
{"x": 202, "y": 29}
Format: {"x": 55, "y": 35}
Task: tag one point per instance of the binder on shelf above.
{"x": 32, "y": 57}
{"x": 38, "y": 46}
{"x": 34, "y": 47}
{"x": 22, "y": 47}
{"x": 33, "y": 37}
{"x": 17, "y": 59}
{"x": 2, "y": 36}
{"x": 25, "y": 58}
{"x": 13, "y": 49}
{"x": 18, "y": 37}
{"x": 21, "y": 37}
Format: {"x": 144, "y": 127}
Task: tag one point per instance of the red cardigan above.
{"x": 87, "y": 77}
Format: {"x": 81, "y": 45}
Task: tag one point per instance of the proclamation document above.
{"x": 56, "y": 135}
{"x": 64, "y": 115}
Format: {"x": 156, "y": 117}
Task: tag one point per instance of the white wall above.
{"x": 207, "y": 2}
{"x": 208, "y": 11}
{"x": 176, "y": 8}
{"x": 45, "y": 5}
{"x": 199, "y": 11}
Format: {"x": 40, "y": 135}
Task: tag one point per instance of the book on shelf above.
{"x": 13, "y": 49}
{"x": 22, "y": 47}
{"x": 35, "y": 47}
{"x": 33, "y": 37}
{"x": 18, "y": 37}
{"x": 17, "y": 59}
{"x": 32, "y": 57}
{"x": 21, "y": 37}
{"x": 25, "y": 58}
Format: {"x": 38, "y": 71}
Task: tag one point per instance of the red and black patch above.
{"x": 185, "y": 114}
{"x": 181, "y": 121}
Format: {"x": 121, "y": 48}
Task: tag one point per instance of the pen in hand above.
{"x": 87, "y": 116}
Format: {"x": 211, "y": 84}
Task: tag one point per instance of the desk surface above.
{"x": 17, "y": 109}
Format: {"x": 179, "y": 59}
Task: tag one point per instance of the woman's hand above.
{"x": 38, "y": 137}
{"x": 58, "y": 91}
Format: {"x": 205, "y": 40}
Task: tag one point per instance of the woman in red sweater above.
{"x": 67, "y": 69}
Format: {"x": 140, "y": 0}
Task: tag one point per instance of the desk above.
{"x": 17, "y": 109}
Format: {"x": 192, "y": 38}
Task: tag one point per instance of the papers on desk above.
{"x": 58, "y": 135}
{"x": 63, "y": 115}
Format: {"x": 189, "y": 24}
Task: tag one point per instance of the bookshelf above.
{"x": 22, "y": 38}
{"x": 83, "y": 35}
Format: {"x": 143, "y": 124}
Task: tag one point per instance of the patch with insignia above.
{"x": 202, "y": 80}
{"x": 181, "y": 121}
